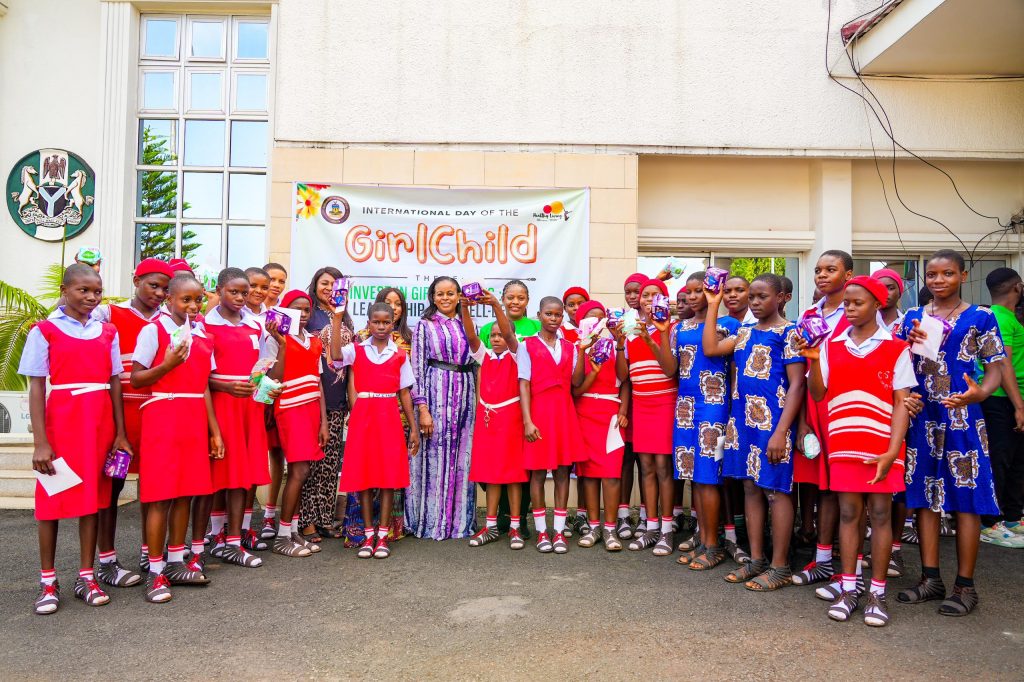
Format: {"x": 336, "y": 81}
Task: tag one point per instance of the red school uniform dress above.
{"x": 297, "y": 411}
{"x": 859, "y": 400}
{"x": 79, "y": 417}
{"x": 376, "y": 452}
{"x": 815, "y": 471}
{"x": 498, "y": 430}
{"x": 596, "y": 409}
{"x": 654, "y": 399}
{"x": 551, "y": 406}
{"x": 129, "y": 323}
{"x": 236, "y": 349}
{"x": 175, "y": 430}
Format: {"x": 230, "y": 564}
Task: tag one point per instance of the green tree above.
{"x": 750, "y": 268}
{"x": 158, "y": 197}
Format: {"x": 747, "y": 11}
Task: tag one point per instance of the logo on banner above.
{"x": 335, "y": 210}
{"x": 553, "y": 211}
{"x": 51, "y": 191}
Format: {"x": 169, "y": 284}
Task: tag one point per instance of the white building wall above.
{"x": 722, "y": 77}
{"x": 50, "y": 79}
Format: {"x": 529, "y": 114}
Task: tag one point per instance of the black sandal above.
{"x": 327, "y": 532}
{"x": 708, "y": 559}
{"x": 960, "y": 603}
{"x": 748, "y": 571}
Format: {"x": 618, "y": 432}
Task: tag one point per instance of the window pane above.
{"x": 204, "y": 143}
{"x": 154, "y": 241}
{"x": 200, "y": 245}
{"x": 156, "y": 142}
{"x": 252, "y": 40}
{"x": 207, "y": 39}
{"x": 158, "y": 90}
{"x": 246, "y": 246}
{"x": 249, "y": 144}
{"x": 251, "y": 91}
{"x": 247, "y": 197}
{"x": 202, "y": 197}
{"x": 160, "y": 38}
{"x": 158, "y": 194}
{"x": 206, "y": 91}
{"x": 907, "y": 268}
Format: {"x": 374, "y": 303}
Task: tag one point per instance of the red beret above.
{"x": 636, "y": 278}
{"x": 290, "y": 297}
{"x": 662, "y": 287}
{"x": 179, "y": 265}
{"x": 579, "y": 291}
{"x": 586, "y": 307}
{"x": 149, "y": 266}
{"x": 891, "y": 274}
{"x": 874, "y": 287}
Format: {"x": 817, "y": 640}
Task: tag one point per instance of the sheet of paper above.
{"x": 614, "y": 440}
{"x": 720, "y": 449}
{"x": 62, "y": 480}
{"x": 929, "y": 348}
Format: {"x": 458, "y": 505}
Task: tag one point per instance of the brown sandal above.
{"x": 711, "y": 557}
{"x": 687, "y": 557}
{"x": 747, "y": 571}
{"x": 773, "y": 579}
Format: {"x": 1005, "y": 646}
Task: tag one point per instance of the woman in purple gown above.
{"x": 441, "y": 502}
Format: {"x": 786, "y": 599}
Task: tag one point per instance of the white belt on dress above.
{"x": 602, "y": 396}
{"x": 488, "y": 407}
{"x": 79, "y": 389}
{"x": 230, "y": 377}
{"x": 170, "y": 396}
{"x": 368, "y": 394}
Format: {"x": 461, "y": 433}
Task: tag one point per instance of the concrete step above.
{"x": 18, "y": 458}
{"x": 7, "y": 502}
{"x": 17, "y": 483}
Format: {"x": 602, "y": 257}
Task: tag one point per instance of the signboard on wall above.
{"x": 50, "y": 191}
{"x": 405, "y": 237}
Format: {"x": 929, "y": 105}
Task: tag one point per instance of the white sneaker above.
{"x": 1001, "y": 536}
{"x": 1017, "y": 528}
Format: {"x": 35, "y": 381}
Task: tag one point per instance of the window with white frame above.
{"x": 203, "y": 134}
{"x": 912, "y": 267}
{"x": 746, "y": 266}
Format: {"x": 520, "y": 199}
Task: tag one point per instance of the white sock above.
{"x": 860, "y": 571}
{"x": 269, "y": 512}
{"x": 108, "y": 557}
{"x": 610, "y": 527}
{"x": 666, "y": 524}
{"x": 492, "y": 521}
{"x": 560, "y": 515}
{"x": 652, "y": 524}
{"x": 849, "y": 583}
{"x": 878, "y": 587}
{"x": 595, "y": 524}
{"x": 643, "y": 512}
{"x": 284, "y": 530}
{"x": 623, "y": 512}
{"x": 176, "y": 553}
{"x": 730, "y": 533}
{"x": 156, "y": 567}
{"x": 197, "y": 547}
{"x": 382, "y": 532}
{"x": 234, "y": 540}
{"x": 514, "y": 522}
{"x": 823, "y": 554}
{"x": 48, "y": 577}
{"x": 217, "y": 522}
{"x": 678, "y": 510}
{"x": 246, "y": 520}
{"x": 581, "y": 512}
{"x": 540, "y": 520}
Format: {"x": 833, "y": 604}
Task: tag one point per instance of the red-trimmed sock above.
{"x": 666, "y": 524}
{"x": 48, "y": 577}
{"x": 540, "y": 520}
{"x": 492, "y": 521}
{"x": 514, "y": 522}
{"x": 823, "y": 554}
{"x": 198, "y": 547}
{"x": 560, "y": 515}
{"x": 595, "y": 524}
{"x": 849, "y": 582}
{"x": 269, "y": 512}
{"x": 234, "y": 540}
{"x": 284, "y": 529}
{"x": 89, "y": 575}
{"x": 897, "y": 546}
{"x": 246, "y": 520}
{"x": 156, "y": 564}
{"x": 175, "y": 553}
{"x": 652, "y": 523}
{"x": 730, "y": 533}
{"x": 878, "y": 587}
{"x": 218, "y": 519}
{"x": 108, "y": 557}
{"x": 623, "y": 512}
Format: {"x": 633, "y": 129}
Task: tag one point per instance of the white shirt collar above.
{"x": 127, "y": 305}
{"x": 213, "y": 317}
{"x": 167, "y": 322}
{"x": 820, "y": 307}
{"x": 368, "y": 342}
{"x": 59, "y": 313}
{"x": 881, "y": 334}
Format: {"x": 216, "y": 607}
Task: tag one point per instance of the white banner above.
{"x": 405, "y": 237}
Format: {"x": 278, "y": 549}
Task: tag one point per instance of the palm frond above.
{"x": 49, "y": 284}
{"x": 14, "y": 329}
{"x": 13, "y": 299}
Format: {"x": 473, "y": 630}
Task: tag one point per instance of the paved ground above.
{"x": 443, "y": 610}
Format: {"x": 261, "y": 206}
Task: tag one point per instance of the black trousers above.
{"x": 1006, "y": 451}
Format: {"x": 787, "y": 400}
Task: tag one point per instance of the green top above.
{"x": 525, "y": 326}
{"x": 1013, "y": 337}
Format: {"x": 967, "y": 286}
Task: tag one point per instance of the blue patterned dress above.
{"x": 758, "y": 396}
{"x": 948, "y": 467}
{"x": 702, "y": 408}
{"x": 440, "y": 502}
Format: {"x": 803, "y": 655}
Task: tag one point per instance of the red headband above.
{"x": 682, "y": 291}
{"x": 874, "y": 287}
{"x": 578, "y": 291}
{"x": 636, "y": 278}
{"x": 662, "y": 287}
{"x": 150, "y": 266}
{"x": 289, "y": 298}
{"x": 891, "y": 274}
{"x": 179, "y": 265}
{"x": 586, "y": 307}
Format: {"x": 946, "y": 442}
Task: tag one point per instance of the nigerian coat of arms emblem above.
{"x": 50, "y": 191}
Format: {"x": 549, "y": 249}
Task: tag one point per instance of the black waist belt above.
{"x": 449, "y": 366}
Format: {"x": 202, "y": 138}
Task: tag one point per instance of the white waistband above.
{"x": 230, "y": 377}
{"x": 506, "y": 403}
{"x": 79, "y": 389}
{"x": 369, "y": 394}
{"x": 300, "y": 380}
{"x": 602, "y": 396}
{"x": 170, "y": 396}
